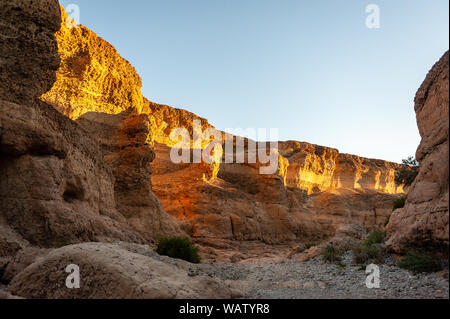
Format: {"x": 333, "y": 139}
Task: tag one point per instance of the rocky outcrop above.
{"x": 116, "y": 271}
{"x": 423, "y": 222}
{"x": 93, "y": 77}
{"x": 55, "y": 188}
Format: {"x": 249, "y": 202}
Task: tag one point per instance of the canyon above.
{"x": 308, "y": 197}
{"x": 86, "y": 176}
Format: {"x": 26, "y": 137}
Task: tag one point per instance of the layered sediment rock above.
{"x": 423, "y": 222}
{"x": 92, "y": 76}
{"x": 65, "y": 182}
{"x": 317, "y": 168}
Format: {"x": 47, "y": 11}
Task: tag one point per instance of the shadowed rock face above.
{"x": 126, "y": 141}
{"x": 424, "y": 219}
{"x": 28, "y": 50}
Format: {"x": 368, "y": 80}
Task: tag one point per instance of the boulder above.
{"x": 109, "y": 271}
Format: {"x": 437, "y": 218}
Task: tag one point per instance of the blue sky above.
{"x": 312, "y": 69}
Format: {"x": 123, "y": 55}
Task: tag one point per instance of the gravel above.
{"x": 318, "y": 279}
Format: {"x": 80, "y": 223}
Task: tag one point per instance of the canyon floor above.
{"x": 316, "y": 279}
{"x": 275, "y": 276}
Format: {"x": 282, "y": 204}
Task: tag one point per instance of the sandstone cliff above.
{"x": 423, "y": 222}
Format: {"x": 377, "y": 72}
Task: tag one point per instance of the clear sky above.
{"x": 311, "y": 68}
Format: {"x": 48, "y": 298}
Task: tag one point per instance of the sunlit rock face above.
{"x": 313, "y": 191}
{"x": 92, "y": 76}
{"x": 317, "y": 168}
{"x": 424, "y": 219}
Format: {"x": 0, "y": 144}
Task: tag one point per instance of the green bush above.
{"x": 366, "y": 254}
{"x": 375, "y": 237}
{"x": 371, "y": 250}
{"x": 340, "y": 264}
{"x": 180, "y": 248}
{"x": 420, "y": 261}
{"x": 399, "y": 203}
{"x": 332, "y": 254}
{"x": 360, "y": 256}
{"x": 408, "y": 173}
{"x": 375, "y": 253}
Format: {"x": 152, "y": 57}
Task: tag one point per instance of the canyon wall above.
{"x": 423, "y": 222}
{"x": 57, "y": 186}
{"x": 317, "y": 168}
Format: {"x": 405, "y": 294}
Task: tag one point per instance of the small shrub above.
{"x": 360, "y": 256}
{"x": 340, "y": 264}
{"x": 362, "y": 267}
{"x": 375, "y": 237}
{"x": 331, "y": 254}
{"x": 371, "y": 250}
{"x": 309, "y": 245}
{"x": 399, "y": 203}
{"x": 180, "y": 248}
{"x": 375, "y": 253}
{"x": 420, "y": 261}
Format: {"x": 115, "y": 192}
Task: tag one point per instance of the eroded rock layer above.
{"x": 423, "y": 222}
